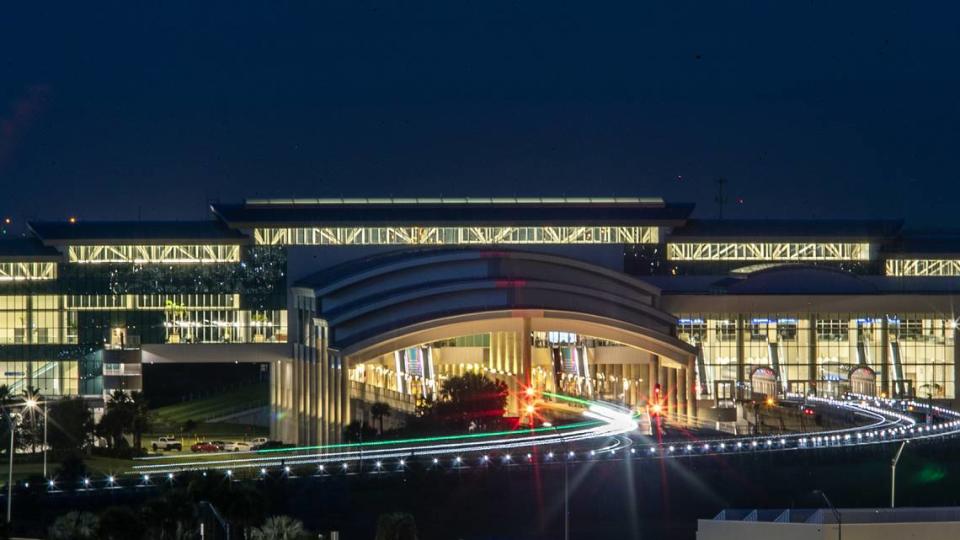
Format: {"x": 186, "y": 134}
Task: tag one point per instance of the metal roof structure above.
{"x": 454, "y": 212}
{"x": 781, "y": 230}
{"x": 26, "y": 249}
{"x": 134, "y": 232}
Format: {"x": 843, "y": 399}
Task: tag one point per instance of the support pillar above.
{"x": 885, "y": 357}
{"x": 812, "y": 354}
{"x": 682, "y": 390}
{"x": 672, "y": 376}
{"x": 692, "y": 395}
{"x": 653, "y": 376}
{"x": 741, "y": 357}
{"x": 526, "y": 352}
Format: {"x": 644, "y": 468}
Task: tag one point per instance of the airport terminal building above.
{"x": 357, "y": 300}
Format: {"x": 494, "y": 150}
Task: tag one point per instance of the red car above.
{"x": 204, "y": 447}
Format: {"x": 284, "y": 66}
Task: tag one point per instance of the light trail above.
{"x": 608, "y": 430}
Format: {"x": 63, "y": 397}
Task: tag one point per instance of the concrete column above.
{"x": 741, "y": 352}
{"x": 526, "y": 352}
{"x": 682, "y": 390}
{"x": 812, "y": 353}
{"x": 653, "y": 375}
{"x": 672, "y": 375}
{"x": 692, "y": 399}
{"x": 885, "y": 357}
{"x": 345, "y": 415}
{"x": 274, "y": 395}
{"x": 664, "y": 381}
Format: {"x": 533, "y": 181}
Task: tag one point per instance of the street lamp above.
{"x": 33, "y": 403}
{"x": 836, "y": 513}
{"x": 893, "y": 473}
{"x": 14, "y": 420}
{"x": 566, "y": 484}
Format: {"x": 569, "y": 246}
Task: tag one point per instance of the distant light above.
{"x": 31, "y": 403}
{"x": 402, "y": 463}
{"x": 435, "y": 461}
{"x": 320, "y": 467}
{"x": 264, "y": 471}
{"x": 547, "y": 424}
{"x": 146, "y": 478}
{"x": 86, "y": 481}
{"x": 378, "y": 464}
{"x": 531, "y": 409}
{"x": 170, "y": 476}
{"x": 287, "y": 468}
{"x": 530, "y": 391}
{"x": 51, "y": 483}
{"x": 229, "y": 472}
{"x": 72, "y": 219}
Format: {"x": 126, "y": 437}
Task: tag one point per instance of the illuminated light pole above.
{"x": 33, "y": 403}
{"x": 893, "y": 474}
{"x": 836, "y": 513}
{"x": 566, "y": 484}
{"x": 12, "y": 419}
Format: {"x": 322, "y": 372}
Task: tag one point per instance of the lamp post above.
{"x": 13, "y": 418}
{"x": 33, "y": 403}
{"x": 836, "y": 513}
{"x": 566, "y": 484}
{"x": 893, "y": 474}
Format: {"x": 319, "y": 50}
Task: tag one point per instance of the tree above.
{"x": 470, "y": 400}
{"x": 119, "y": 523}
{"x": 30, "y": 433}
{"x": 140, "y": 420}
{"x": 378, "y": 410}
{"x": 358, "y": 432}
{"x": 74, "y": 526}
{"x": 396, "y": 526}
{"x": 111, "y": 428}
{"x": 279, "y": 528}
{"x": 188, "y": 427}
{"x": 72, "y": 471}
{"x": 170, "y": 515}
{"x": 71, "y": 424}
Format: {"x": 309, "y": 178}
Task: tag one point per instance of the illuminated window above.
{"x": 768, "y": 251}
{"x": 27, "y": 271}
{"x": 155, "y": 254}
{"x": 453, "y": 236}
{"x": 923, "y": 267}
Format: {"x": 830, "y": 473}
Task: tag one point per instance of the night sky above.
{"x": 809, "y": 108}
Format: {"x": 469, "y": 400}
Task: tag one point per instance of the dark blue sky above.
{"x": 809, "y": 108}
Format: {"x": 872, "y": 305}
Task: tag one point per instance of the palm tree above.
{"x": 378, "y": 410}
{"x": 6, "y": 399}
{"x": 74, "y": 526}
{"x": 32, "y": 394}
{"x": 279, "y": 528}
{"x": 139, "y": 419}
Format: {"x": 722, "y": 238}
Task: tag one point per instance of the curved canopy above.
{"x": 383, "y": 303}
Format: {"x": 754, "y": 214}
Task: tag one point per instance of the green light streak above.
{"x": 437, "y": 438}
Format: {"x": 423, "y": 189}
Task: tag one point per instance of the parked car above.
{"x": 238, "y": 446}
{"x": 167, "y": 443}
{"x": 257, "y": 443}
{"x": 205, "y": 446}
{"x": 271, "y": 445}
{"x": 222, "y": 445}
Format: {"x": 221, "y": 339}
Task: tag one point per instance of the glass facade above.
{"x": 909, "y": 353}
{"x": 52, "y": 330}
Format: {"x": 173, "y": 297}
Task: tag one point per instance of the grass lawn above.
{"x": 171, "y": 417}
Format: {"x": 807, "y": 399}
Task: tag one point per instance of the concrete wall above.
{"x": 741, "y": 530}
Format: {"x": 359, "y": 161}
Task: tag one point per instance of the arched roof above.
{"x": 381, "y": 297}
